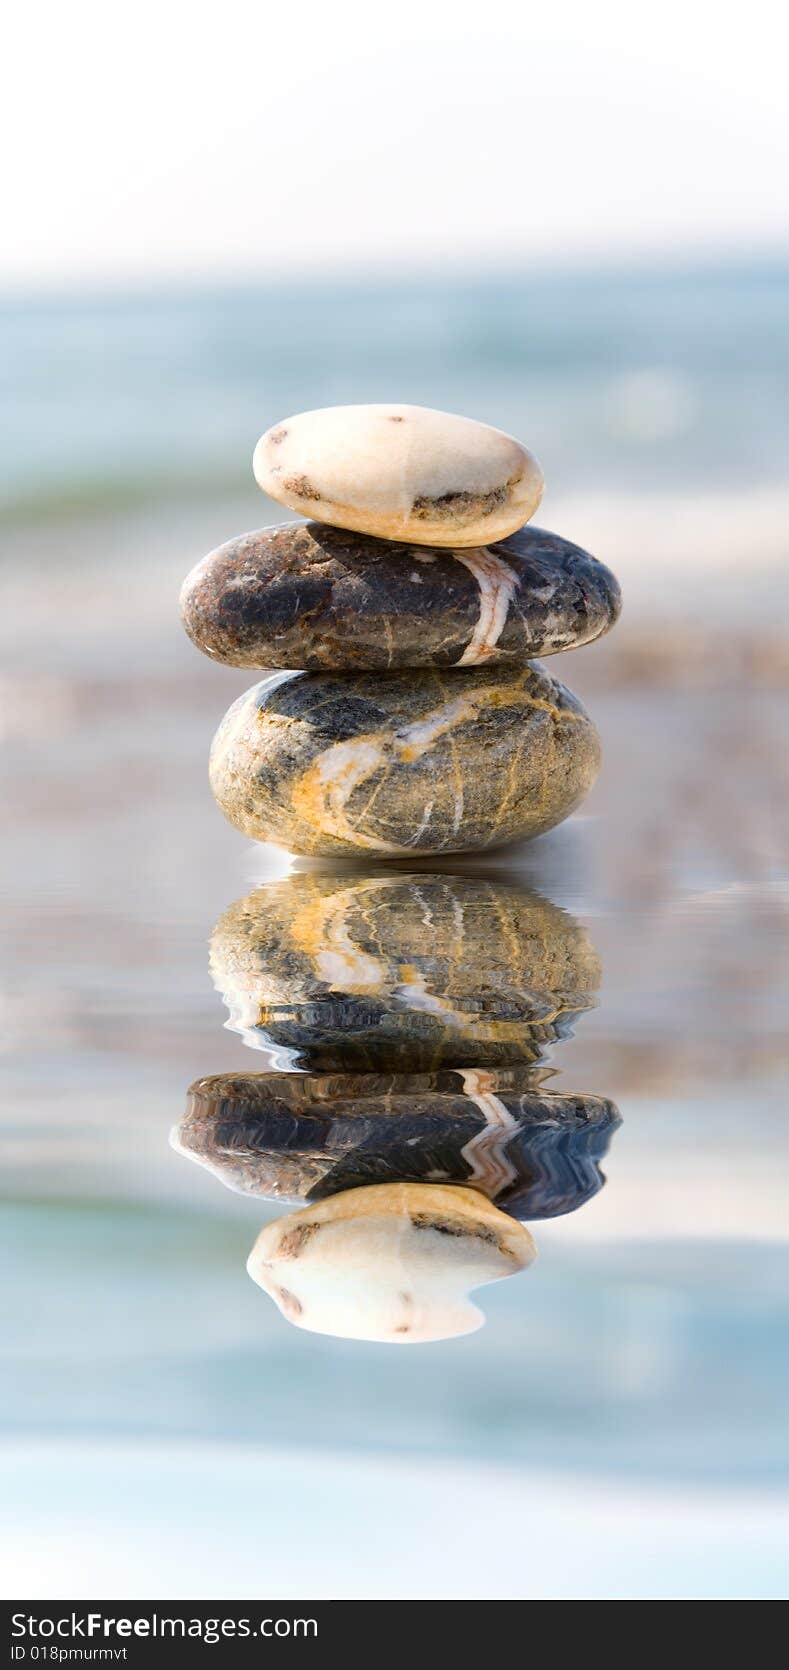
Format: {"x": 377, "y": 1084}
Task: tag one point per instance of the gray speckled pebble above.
{"x": 403, "y": 763}
{"x": 320, "y": 598}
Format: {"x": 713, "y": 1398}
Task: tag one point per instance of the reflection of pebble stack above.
{"x": 408, "y": 1016}
{"x": 414, "y": 602}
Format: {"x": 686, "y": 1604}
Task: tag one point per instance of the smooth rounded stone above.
{"x": 400, "y": 973}
{"x": 402, "y": 764}
{"x": 392, "y": 1263}
{"x": 292, "y": 1136}
{"x": 400, "y": 472}
{"x": 323, "y": 599}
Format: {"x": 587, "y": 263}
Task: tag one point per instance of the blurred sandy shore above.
{"x": 106, "y": 703}
{"x": 97, "y": 597}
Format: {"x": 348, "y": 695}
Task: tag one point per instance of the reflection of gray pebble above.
{"x": 401, "y": 973}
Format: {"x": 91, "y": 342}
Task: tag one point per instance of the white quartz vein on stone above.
{"x": 416, "y": 738}
{"x": 497, "y": 586}
{"x": 344, "y": 765}
{"x": 426, "y": 816}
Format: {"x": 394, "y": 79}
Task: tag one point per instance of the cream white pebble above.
{"x": 402, "y": 473}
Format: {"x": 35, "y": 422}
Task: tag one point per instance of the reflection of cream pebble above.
{"x": 393, "y": 1262}
{"x": 401, "y": 472}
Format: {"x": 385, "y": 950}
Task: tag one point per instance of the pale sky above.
{"x": 170, "y": 140}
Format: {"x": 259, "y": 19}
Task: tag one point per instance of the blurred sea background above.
{"x": 619, "y": 1428}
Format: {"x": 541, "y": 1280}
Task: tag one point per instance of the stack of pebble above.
{"x": 413, "y": 601}
{"x": 408, "y": 1012}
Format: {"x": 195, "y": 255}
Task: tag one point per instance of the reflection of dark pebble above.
{"x": 534, "y": 1152}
